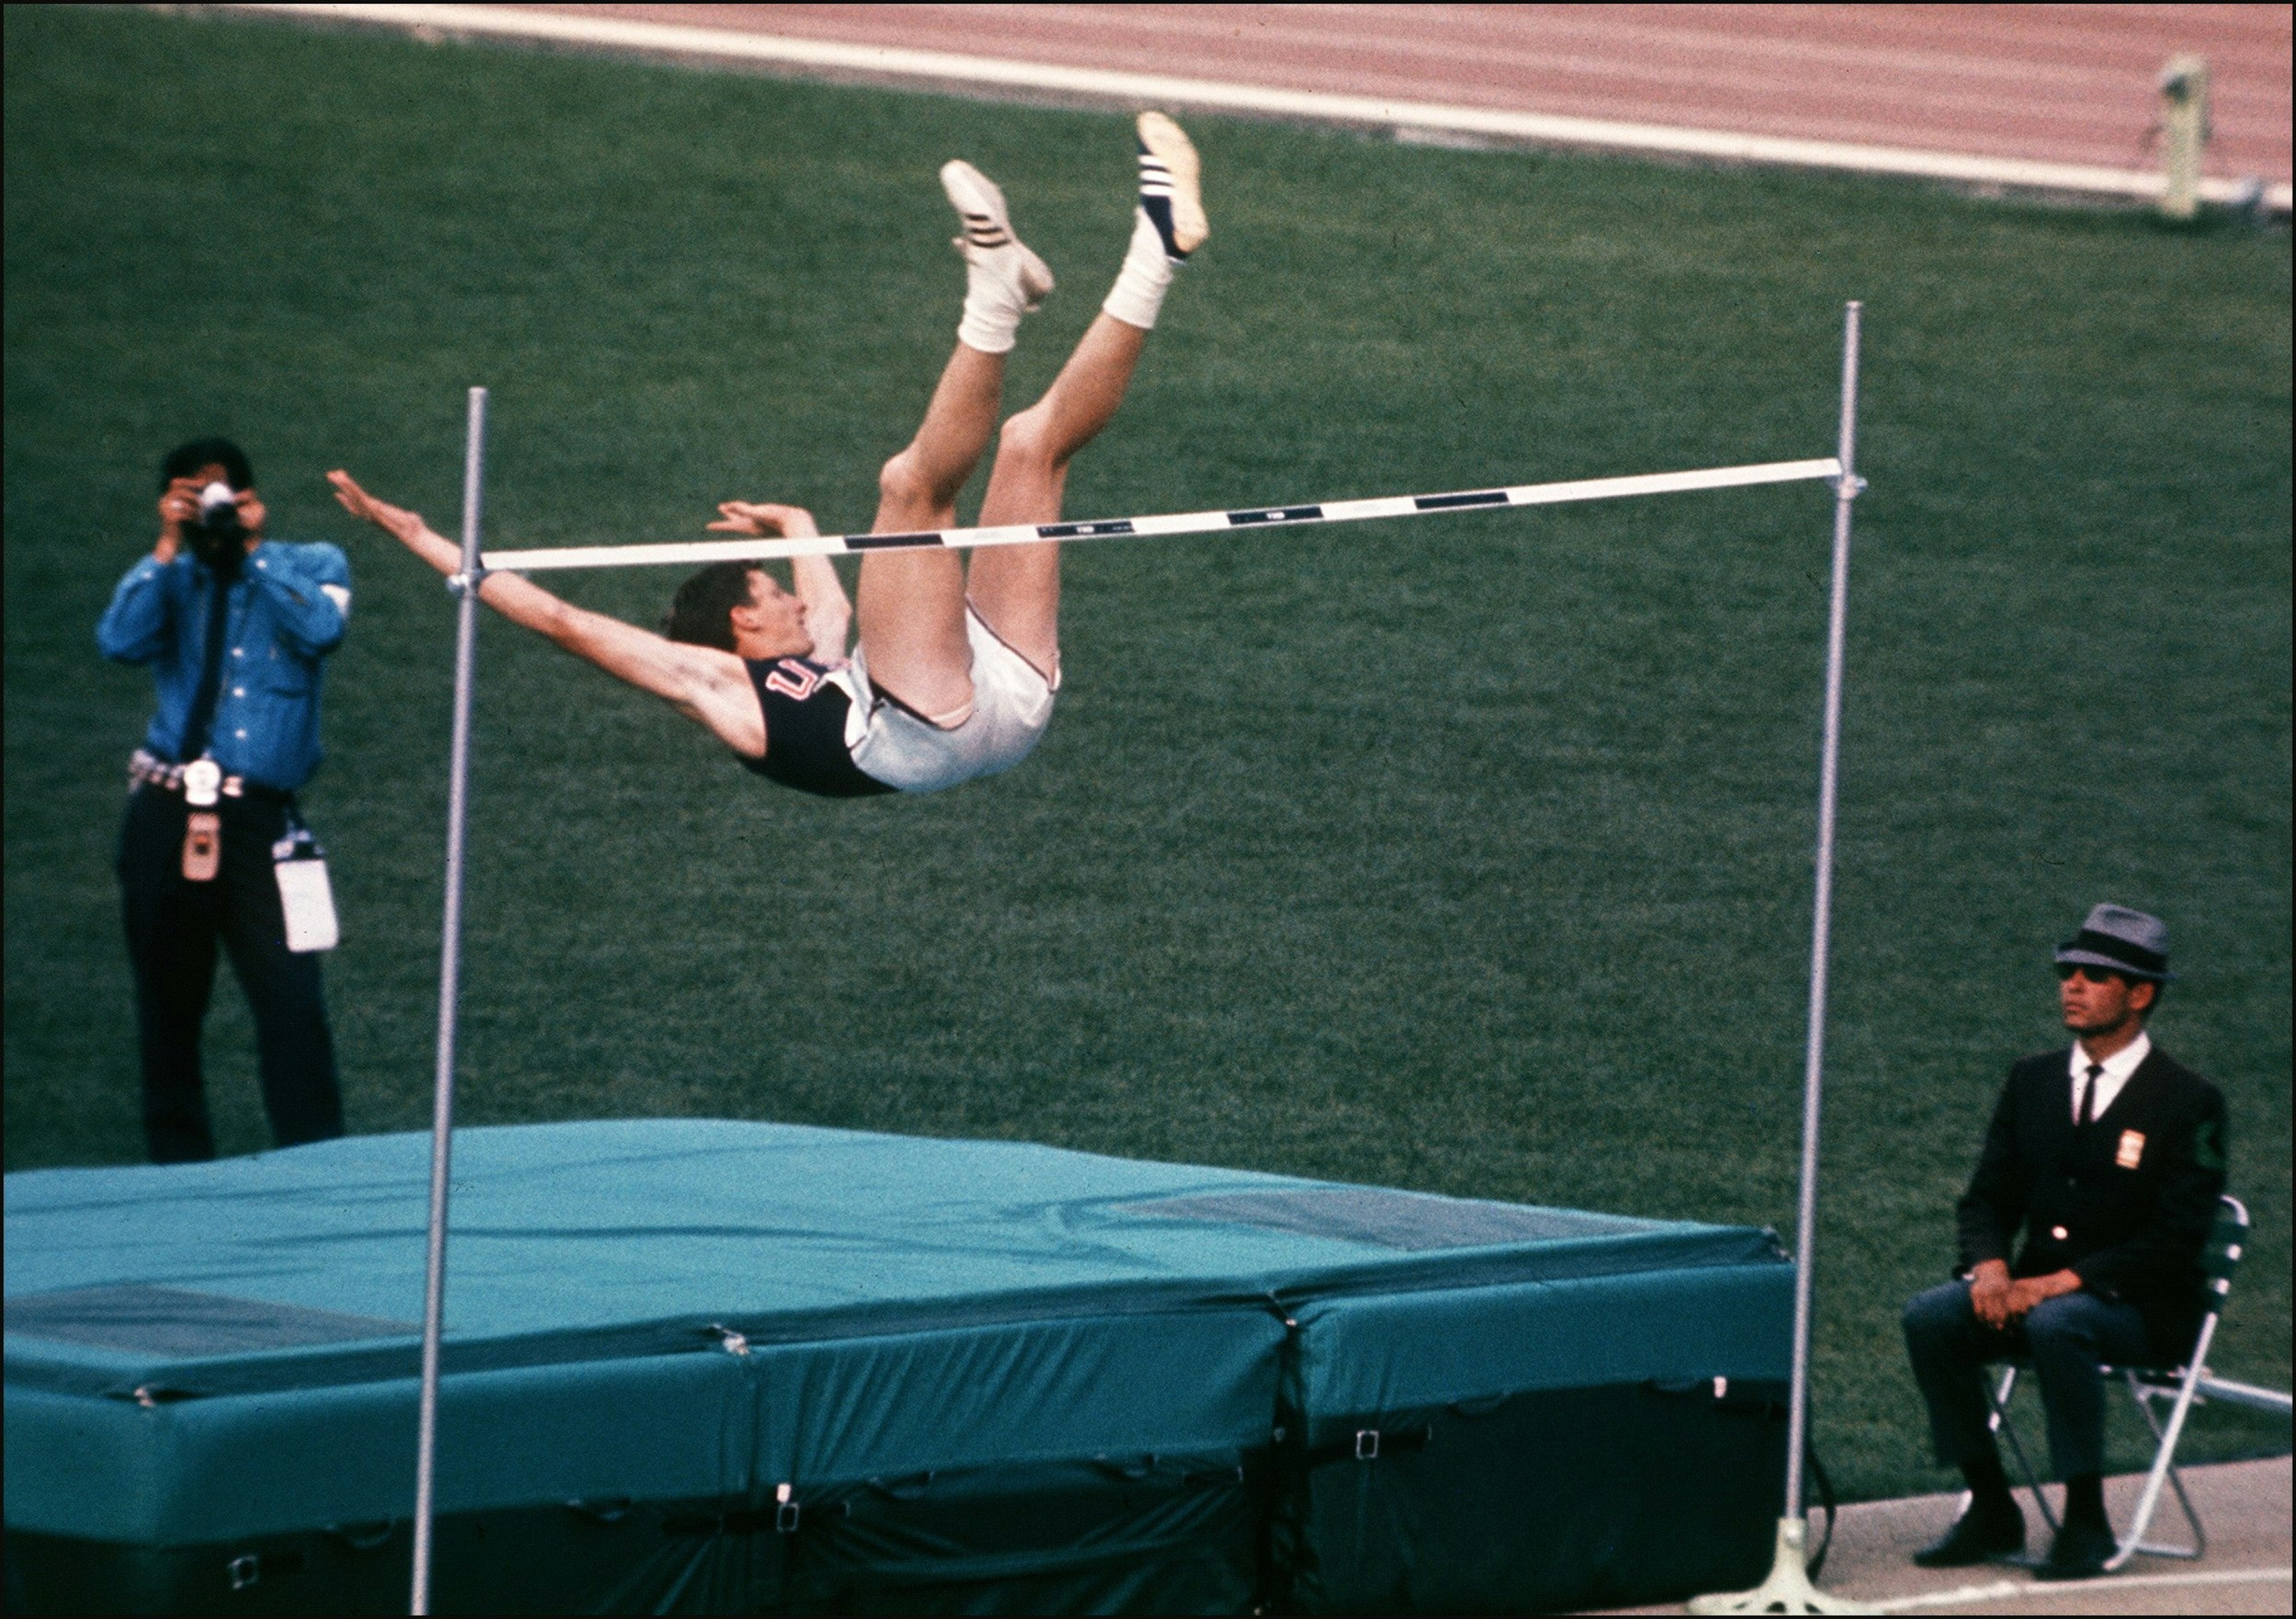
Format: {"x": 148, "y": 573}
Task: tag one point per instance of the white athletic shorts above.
{"x": 1011, "y": 705}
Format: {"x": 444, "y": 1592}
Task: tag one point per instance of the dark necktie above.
{"x": 2088, "y": 1096}
{"x": 203, "y": 696}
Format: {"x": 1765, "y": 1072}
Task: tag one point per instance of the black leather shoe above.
{"x": 2079, "y": 1552}
{"x": 1978, "y": 1534}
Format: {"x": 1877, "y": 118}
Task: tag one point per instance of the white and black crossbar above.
{"x": 1176, "y": 523}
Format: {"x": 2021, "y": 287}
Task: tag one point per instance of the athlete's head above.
{"x": 738, "y": 607}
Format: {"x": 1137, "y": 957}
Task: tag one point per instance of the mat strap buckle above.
{"x": 1366, "y": 1444}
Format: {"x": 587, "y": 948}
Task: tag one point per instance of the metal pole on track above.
{"x": 1822, "y": 921}
{"x": 1788, "y": 1589}
{"x": 465, "y": 585}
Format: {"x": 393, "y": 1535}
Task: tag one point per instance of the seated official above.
{"x": 2111, "y": 1157}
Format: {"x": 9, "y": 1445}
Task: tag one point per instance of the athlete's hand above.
{"x": 764, "y": 519}
{"x": 396, "y": 522}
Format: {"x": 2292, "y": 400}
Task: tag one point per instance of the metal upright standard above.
{"x": 450, "y": 975}
{"x": 1788, "y": 1590}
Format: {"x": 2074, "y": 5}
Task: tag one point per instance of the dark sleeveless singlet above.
{"x": 805, "y": 731}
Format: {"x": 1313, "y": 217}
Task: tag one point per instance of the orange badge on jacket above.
{"x": 2132, "y": 1149}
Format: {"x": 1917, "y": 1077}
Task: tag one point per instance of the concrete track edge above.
{"x": 2244, "y": 1507}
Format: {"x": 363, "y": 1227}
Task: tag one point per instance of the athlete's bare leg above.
{"x": 1017, "y": 589}
{"x": 912, "y": 605}
{"x": 911, "y": 602}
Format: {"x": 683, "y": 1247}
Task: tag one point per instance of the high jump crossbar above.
{"x": 1174, "y": 522}
{"x": 1787, "y": 1588}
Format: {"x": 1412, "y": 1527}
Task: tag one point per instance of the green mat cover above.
{"x": 700, "y": 1366}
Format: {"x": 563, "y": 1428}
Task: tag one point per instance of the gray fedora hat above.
{"x": 2127, "y": 941}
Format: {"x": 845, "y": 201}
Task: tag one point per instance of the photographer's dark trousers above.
{"x": 173, "y": 928}
{"x": 2065, "y": 1338}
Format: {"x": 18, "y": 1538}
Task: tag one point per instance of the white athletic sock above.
{"x": 994, "y": 301}
{"x": 1147, "y": 273}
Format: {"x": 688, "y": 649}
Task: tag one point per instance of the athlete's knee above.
{"x": 1027, "y": 437}
{"x": 903, "y": 484}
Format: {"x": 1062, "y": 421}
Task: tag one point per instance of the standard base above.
{"x": 1787, "y": 1591}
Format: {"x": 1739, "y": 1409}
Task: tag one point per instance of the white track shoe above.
{"x": 989, "y": 242}
{"x": 1171, "y": 194}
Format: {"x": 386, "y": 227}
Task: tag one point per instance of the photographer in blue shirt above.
{"x": 236, "y": 629}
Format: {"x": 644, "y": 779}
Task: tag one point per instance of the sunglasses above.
{"x": 2089, "y": 974}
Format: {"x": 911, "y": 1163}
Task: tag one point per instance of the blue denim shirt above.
{"x": 286, "y": 613}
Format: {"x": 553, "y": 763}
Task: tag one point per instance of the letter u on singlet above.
{"x": 805, "y": 712}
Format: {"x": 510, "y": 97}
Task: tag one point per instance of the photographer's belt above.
{"x": 146, "y": 769}
{"x": 203, "y": 784}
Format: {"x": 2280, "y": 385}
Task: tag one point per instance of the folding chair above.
{"x": 2180, "y": 1385}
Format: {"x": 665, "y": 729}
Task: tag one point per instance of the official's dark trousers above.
{"x": 173, "y": 927}
{"x": 2065, "y": 1338}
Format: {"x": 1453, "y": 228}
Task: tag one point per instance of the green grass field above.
{"x": 1470, "y": 855}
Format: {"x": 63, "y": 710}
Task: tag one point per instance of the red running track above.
{"x": 2071, "y": 84}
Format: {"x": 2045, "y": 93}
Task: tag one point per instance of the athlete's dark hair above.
{"x": 185, "y": 459}
{"x": 701, "y": 611}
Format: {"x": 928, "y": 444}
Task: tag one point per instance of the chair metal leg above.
{"x": 2164, "y": 1461}
{"x": 2000, "y": 1424}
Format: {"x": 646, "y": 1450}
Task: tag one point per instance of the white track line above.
{"x": 2006, "y": 1590}
{"x": 1249, "y": 518}
{"x": 1133, "y": 90}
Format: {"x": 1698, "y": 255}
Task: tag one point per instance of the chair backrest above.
{"x": 2227, "y": 1239}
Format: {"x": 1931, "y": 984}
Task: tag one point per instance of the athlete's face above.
{"x": 774, "y": 618}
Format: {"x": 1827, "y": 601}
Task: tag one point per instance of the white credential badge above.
{"x": 307, "y": 902}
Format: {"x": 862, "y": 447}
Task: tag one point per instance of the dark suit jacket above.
{"x": 2126, "y": 1202}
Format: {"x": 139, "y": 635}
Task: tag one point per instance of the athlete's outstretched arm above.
{"x": 707, "y": 686}
{"x": 828, "y": 614}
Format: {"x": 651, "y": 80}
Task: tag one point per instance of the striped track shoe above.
{"x": 1170, "y": 193}
{"x": 989, "y": 236}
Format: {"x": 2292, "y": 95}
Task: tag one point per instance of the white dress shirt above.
{"x": 2117, "y": 1067}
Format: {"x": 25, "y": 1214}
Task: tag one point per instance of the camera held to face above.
{"x": 218, "y": 539}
